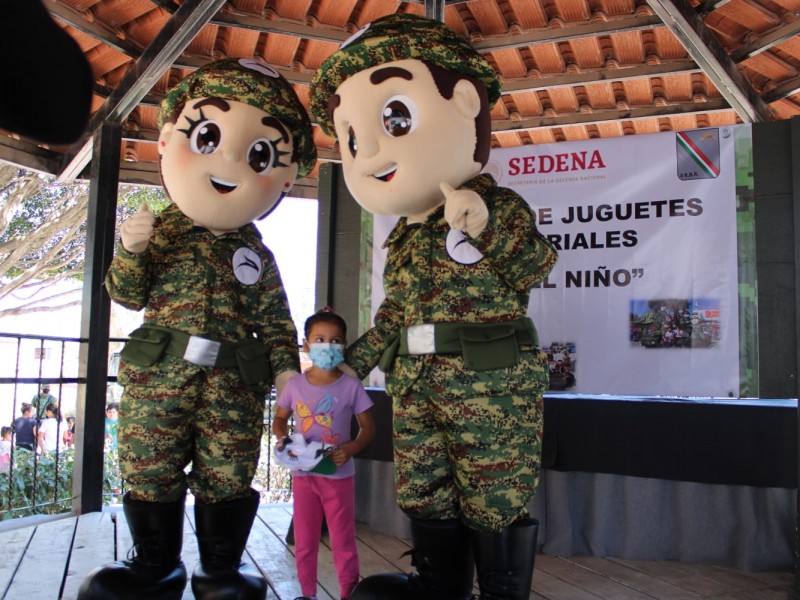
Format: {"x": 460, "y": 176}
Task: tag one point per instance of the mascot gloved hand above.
{"x": 409, "y": 101}
{"x": 217, "y": 330}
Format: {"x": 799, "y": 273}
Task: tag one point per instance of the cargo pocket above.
{"x": 253, "y": 364}
{"x": 485, "y": 348}
{"x": 146, "y": 346}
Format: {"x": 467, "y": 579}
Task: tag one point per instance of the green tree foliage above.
{"x": 43, "y": 234}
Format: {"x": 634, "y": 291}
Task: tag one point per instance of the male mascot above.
{"x": 217, "y": 330}
{"x": 409, "y": 101}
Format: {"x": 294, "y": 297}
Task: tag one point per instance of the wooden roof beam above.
{"x": 28, "y": 155}
{"x": 604, "y": 116}
{"x": 569, "y": 32}
{"x": 766, "y": 41}
{"x": 786, "y": 88}
{"x": 598, "y": 75}
{"x": 709, "y": 5}
{"x": 98, "y": 30}
{"x": 173, "y": 38}
{"x": 709, "y": 54}
{"x": 257, "y": 23}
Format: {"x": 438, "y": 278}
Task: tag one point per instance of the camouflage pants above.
{"x": 468, "y": 443}
{"x": 176, "y": 413}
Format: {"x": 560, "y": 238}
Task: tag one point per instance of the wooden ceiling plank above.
{"x": 600, "y": 116}
{"x": 156, "y": 58}
{"x": 567, "y": 33}
{"x": 709, "y": 5}
{"x": 28, "y": 155}
{"x": 767, "y": 41}
{"x": 97, "y": 30}
{"x": 600, "y": 75}
{"x": 708, "y": 53}
{"x": 782, "y": 90}
{"x": 256, "y": 23}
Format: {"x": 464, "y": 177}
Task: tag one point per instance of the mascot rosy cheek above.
{"x": 217, "y": 330}
{"x": 409, "y": 101}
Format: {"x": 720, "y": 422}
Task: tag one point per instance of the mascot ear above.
{"x": 466, "y": 98}
{"x": 163, "y": 137}
{"x": 293, "y": 168}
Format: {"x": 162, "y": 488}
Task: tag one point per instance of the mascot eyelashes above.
{"x": 409, "y": 101}
{"x": 217, "y": 330}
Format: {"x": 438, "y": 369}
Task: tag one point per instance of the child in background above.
{"x": 69, "y": 433}
{"x": 324, "y": 400}
{"x": 5, "y": 449}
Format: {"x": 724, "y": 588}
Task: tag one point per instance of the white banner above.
{"x": 643, "y": 300}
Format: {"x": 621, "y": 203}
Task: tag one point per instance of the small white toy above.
{"x": 299, "y": 455}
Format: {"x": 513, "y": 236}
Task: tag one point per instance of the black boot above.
{"x": 154, "y": 569}
{"x": 222, "y": 531}
{"x": 504, "y": 560}
{"x": 444, "y": 565}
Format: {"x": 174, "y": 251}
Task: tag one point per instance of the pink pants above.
{"x": 315, "y": 496}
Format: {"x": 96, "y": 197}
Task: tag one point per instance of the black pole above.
{"x": 794, "y": 125}
{"x": 95, "y": 318}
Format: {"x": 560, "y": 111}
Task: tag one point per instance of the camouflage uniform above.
{"x": 467, "y": 442}
{"x": 176, "y": 412}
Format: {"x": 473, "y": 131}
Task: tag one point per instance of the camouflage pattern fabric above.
{"x": 392, "y": 38}
{"x": 253, "y": 83}
{"x": 424, "y": 284}
{"x": 176, "y": 413}
{"x": 186, "y": 280}
{"x": 468, "y": 443}
{"x": 40, "y": 402}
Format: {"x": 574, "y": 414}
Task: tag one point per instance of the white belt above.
{"x": 421, "y": 339}
{"x": 201, "y": 351}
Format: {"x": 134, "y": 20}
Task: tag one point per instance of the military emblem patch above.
{"x": 247, "y": 266}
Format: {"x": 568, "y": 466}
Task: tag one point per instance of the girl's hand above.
{"x": 341, "y": 455}
{"x": 281, "y": 443}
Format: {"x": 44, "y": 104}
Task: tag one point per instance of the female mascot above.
{"x": 409, "y": 102}
{"x": 217, "y": 330}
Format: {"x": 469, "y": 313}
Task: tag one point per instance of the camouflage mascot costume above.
{"x": 409, "y": 101}
{"x": 217, "y": 330}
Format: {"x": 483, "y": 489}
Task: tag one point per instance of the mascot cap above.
{"x": 254, "y": 83}
{"x": 398, "y": 37}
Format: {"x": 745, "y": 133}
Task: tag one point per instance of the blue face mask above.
{"x": 326, "y": 356}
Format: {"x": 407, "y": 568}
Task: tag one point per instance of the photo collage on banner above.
{"x": 644, "y": 298}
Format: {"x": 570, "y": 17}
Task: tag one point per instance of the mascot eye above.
{"x": 204, "y": 137}
{"x": 399, "y": 116}
{"x": 352, "y": 144}
{"x": 260, "y": 156}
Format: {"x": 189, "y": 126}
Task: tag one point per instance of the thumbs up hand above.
{"x": 464, "y": 209}
{"x": 135, "y": 232}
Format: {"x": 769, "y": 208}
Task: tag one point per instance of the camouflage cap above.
{"x": 398, "y": 37}
{"x": 254, "y": 83}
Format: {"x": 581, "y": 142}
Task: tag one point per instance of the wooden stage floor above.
{"x": 48, "y": 560}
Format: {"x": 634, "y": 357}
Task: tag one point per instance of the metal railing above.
{"x": 39, "y": 481}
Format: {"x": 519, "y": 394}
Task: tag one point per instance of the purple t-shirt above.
{"x": 323, "y": 413}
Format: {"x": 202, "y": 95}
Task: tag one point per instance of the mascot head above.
{"x": 234, "y": 137}
{"x": 409, "y": 101}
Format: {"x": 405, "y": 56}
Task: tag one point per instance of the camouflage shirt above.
{"x": 425, "y": 284}
{"x": 187, "y": 280}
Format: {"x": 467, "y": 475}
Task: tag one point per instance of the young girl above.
{"x": 69, "y": 433}
{"x": 5, "y": 449}
{"x": 49, "y": 430}
{"x": 324, "y": 401}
